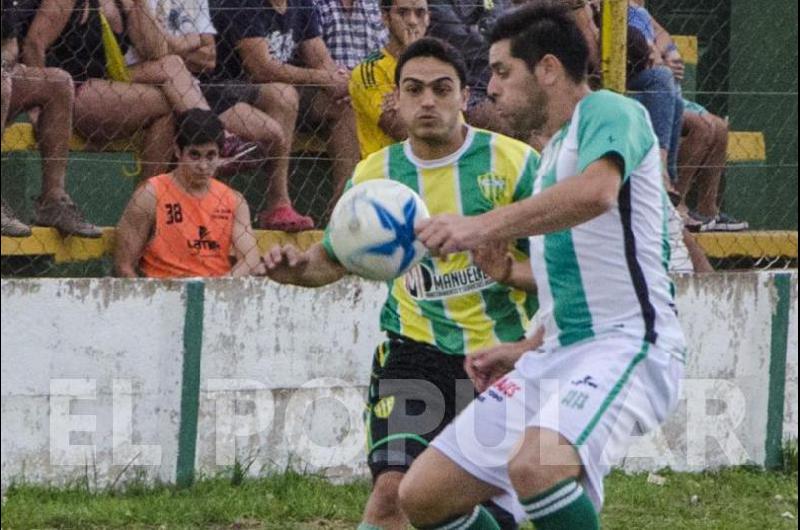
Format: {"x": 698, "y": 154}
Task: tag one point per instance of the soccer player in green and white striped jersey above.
{"x": 549, "y": 430}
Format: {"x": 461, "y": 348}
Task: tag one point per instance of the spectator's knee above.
{"x": 173, "y": 65}
{"x": 8, "y": 88}
{"x": 60, "y": 84}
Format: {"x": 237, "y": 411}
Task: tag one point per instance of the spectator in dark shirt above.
{"x": 48, "y": 89}
{"x": 279, "y": 41}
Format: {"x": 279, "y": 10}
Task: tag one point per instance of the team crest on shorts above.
{"x": 384, "y": 407}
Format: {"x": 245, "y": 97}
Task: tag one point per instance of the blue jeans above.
{"x": 656, "y": 89}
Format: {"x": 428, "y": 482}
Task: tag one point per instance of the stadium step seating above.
{"x": 719, "y": 245}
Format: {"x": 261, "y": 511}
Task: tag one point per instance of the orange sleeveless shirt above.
{"x": 192, "y": 235}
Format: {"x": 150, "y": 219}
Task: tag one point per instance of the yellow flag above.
{"x": 115, "y": 62}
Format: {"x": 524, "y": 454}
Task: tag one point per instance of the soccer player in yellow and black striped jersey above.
{"x": 441, "y": 309}
{"x": 372, "y": 87}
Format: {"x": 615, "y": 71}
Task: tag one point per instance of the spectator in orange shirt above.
{"x": 186, "y": 223}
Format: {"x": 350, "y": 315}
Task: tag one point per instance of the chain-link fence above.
{"x": 303, "y": 91}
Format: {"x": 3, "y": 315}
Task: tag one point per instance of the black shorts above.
{"x": 415, "y": 391}
{"x": 224, "y": 95}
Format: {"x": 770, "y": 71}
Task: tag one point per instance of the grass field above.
{"x": 731, "y": 499}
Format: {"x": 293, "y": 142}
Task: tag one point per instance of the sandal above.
{"x": 284, "y": 218}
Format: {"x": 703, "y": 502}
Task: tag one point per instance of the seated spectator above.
{"x": 465, "y": 24}
{"x": 50, "y": 90}
{"x": 656, "y": 89}
{"x": 703, "y": 147}
{"x": 279, "y": 41}
{"x": 351, "y": 29}
{"x": 187, "y": 223}
{"x": 372, "y": 88}
{"x": 701, "y": 163}
{"x": 113, "y": 102}
{"x": 265, "y": 113}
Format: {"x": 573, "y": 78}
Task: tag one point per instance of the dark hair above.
{"x": 199, "y": 127}
{"x": 638, "y": 52}
{"x": 386, "y": 5}
{"x": 544, "y": 28}
{"x": 436, "y": 48}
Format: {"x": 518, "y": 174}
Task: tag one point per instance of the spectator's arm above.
{"x": 198, "y": 51}
{"x": 10, "y": 52}
{"x": 49, "y": 22}
{"x": 264, "y": 68}
{"x": 315, "y": 54}
{"x": 248, "y": 257}
{"x": 134, "y": 231}
{"x": 145, "y": 33}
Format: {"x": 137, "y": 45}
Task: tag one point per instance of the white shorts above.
{"x": 597, "y": 394}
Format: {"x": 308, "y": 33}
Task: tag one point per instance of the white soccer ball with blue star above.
{"x": 372, "y": 229}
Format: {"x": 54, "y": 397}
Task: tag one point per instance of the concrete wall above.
{"x": 100, "y": 383}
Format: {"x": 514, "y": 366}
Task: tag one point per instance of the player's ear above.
{"x": 464, "y": 98}
{"x": 548, "y": 69}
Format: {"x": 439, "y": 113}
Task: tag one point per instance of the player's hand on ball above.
{"x": 448, "y": 233}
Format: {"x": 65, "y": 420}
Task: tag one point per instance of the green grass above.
{"x": 731, "y": 499}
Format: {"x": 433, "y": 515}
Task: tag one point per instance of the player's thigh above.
{"x": 436, "y": 484}
{"x": 108, "y": 109}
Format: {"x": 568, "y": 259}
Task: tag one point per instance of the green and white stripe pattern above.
{"x": 564, "y": 495}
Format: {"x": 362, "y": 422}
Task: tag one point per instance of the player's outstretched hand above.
{"x": 487, "y": 366}
{"x": 285, "y": 263}
{"x": 495, "y": 260}
{"x": 448, "y": 233}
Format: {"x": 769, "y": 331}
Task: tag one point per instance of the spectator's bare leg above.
{"x": 51, "y": 90}
{"x": 5, "y": 99}
{"x": 700, "y": 262}
{"x": 709, "y": 177}
{"x": 280, "y": 102}
{"x": 158, "y": 146}
{"x": 107, "y": 110}
{"x": 171, "y": 75}
{"x": 693, "y": 152}
{"x": 342, "y": 139}
{"x": 252, "y": 124}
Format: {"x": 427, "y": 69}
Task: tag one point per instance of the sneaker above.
{"x": 726, "y": 223}
{"x": 11, "y": 226}
{"x": 65, "y": 216}
{"x": 235, "y": 154}
{"x": 696, "y": 222}
{"x": 284, "y": 218}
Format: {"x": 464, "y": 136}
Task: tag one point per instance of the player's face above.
{"x": 198, "y": 163}
{"x": 516, "y": 91}
{"x": 430, "y": 99}
{"x": 407, "y": 21}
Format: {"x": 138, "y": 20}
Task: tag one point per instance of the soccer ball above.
{"x": 372, "y": 229}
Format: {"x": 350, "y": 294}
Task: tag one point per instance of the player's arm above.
{"x": 312, "y": 268}
{"x": 569, "y": 203}
{"x": 245, "y": 245}
{"x": 133, "y": 231}
{"x": 495, "y": 260}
